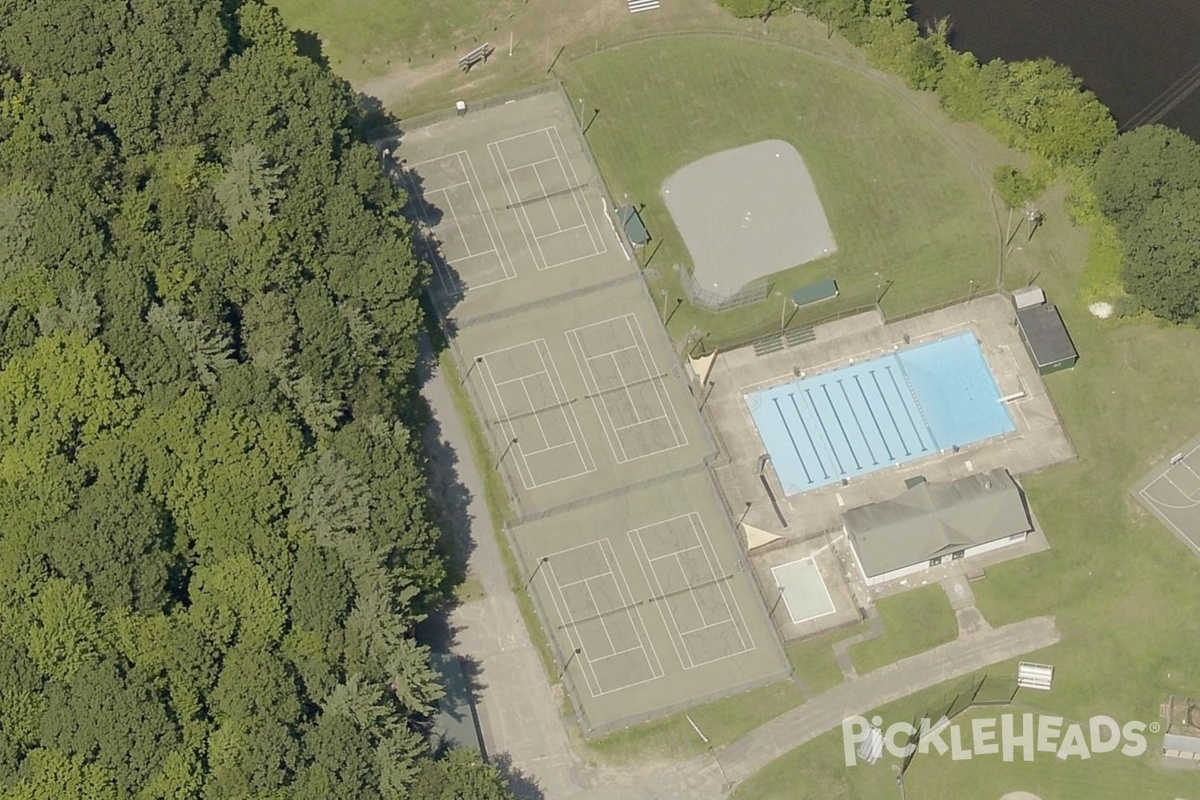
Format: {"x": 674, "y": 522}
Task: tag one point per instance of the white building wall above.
{"x": 904, "y": 572}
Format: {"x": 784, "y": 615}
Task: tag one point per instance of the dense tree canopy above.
{"x": 1148, "y": 183}
{"x": 214, "y": 539}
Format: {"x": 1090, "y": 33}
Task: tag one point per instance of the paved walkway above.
{"x": 519, "y": 713}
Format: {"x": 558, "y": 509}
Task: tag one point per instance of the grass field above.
{"x": 813, "y": 660}
{"x": 369, "y": 38}
{"x": 818, "y": 771}
{"x": 913, "y": 622}
{"x": 1121, "y": 587}
{"x": 899, "y": 201}
{"x": 722, "y": 721}
{"x": 1119, "y": 584}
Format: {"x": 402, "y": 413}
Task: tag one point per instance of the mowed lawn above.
{"x": 898, "y": 200}
{"x": 913, "y": 621}
{"x": 368, "y": 38}
{"x": 1124, "y": 592}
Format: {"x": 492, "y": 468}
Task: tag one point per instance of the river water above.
{"x": 1140, "y": 57}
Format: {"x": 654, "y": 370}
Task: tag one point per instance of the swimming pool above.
{"x": 876, "y": 413}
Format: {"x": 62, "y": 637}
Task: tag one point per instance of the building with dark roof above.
{"x": 1042, "y": 330}
{"x": 934, "y": 522}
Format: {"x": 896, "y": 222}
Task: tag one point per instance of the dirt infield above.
{"x": 747, "y": 213}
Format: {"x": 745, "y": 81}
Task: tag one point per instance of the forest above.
{"x": 216, "y": 535}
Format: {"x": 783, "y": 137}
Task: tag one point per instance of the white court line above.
{"x": 521, "y": 378}
{"x": 581, "y": 446}
{"x": 592, "y": 384}
{"x": 505, "y": 422}
{"x": 1167, "y": 519}
{"x": 536, "y": 418}
{"x": 546, "y": 194}
{"x": 625, "y": 603}
{"x": 564, "y": 230}
{"x": 1182, "y": 493}
{"x": 506, "y": 264}
{"x": 519, "y": 205}
{"x": 505, "y": 177}
{"x": 828, "y": 596}
{"x": 574, "y": 638}
{"x": 653, "y": 579}
{"x": 631, "y": 610}
{"x": 449, "y": 284}
{"x": 599, "y": 246}
{"x": 573, "y": 180}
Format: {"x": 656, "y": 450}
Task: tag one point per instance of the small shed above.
{"x": 1042, "y": 331}
{"x": 631, "y": 220}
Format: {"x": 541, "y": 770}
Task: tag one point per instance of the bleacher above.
{"x": 477, "y": 56}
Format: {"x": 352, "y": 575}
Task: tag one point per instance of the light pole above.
{"x": 665, "y": 293}
{"x": 533, "y": 574}
{"x": 878, "y": 289}
{"x": 500, "y": 460}
{"x": 777, "y": 599}
{"x": 747, "y": 511}
{"x": 971, "y": 290}
{"x": 581, "y": 113}
{"x": 570, "y": 658}
{"x": 467, "y": 374}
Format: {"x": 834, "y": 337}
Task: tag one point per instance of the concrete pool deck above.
{"x": 1038, "y": 441}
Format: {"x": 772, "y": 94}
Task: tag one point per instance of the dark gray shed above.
{"x": 1046, "y": 338}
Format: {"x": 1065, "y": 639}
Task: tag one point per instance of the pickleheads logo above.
{"x": 1004, "y": 736}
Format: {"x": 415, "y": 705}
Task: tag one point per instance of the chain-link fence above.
{"x": 715, "y": 301}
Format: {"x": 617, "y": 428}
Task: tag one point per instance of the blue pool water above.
{"x": 884, "y": 411}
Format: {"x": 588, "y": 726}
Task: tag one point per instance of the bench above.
{"x": 476, "y": 56}
{"x": 798, "y": 336}
{"x": 768, "y": 344}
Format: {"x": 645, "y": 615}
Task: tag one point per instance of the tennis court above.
{"x": 449, "y": 200}
{"x": 647, "y": 601}
{"x": 542, "y": 434}
{"x": 1171, "y": 491}
{"x": 626, "y": 387}
{"x": 703, "y": 618}
{"x": 803, "y": 589}
{"x": 602, "y": 624}
{"x": 884, "y": 411}
{"x": 543, "y": 187}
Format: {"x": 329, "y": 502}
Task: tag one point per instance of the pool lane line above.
{"x": 824, "y": 430}
{"x": 891, "y": 416}
{"x": 791, "y": 438}
{"x": 853, "y": 413}
{"x": 912, "y": 390}
{"x": 904, "y": 405}
{"x": 811, "y": 443}
{"x": 841, "y": 427}
{"x": 871, "y": 411}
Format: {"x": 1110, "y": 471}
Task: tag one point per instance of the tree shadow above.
{"x": 522, "y": 785}
{"x": 308, "y": 43}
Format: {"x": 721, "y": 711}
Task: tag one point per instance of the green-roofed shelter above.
{"x": 455, "y": 723}
{"x": 815, "y": 292}
{"x": 934, "y": 522}
{"x": 631, "y": 221}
